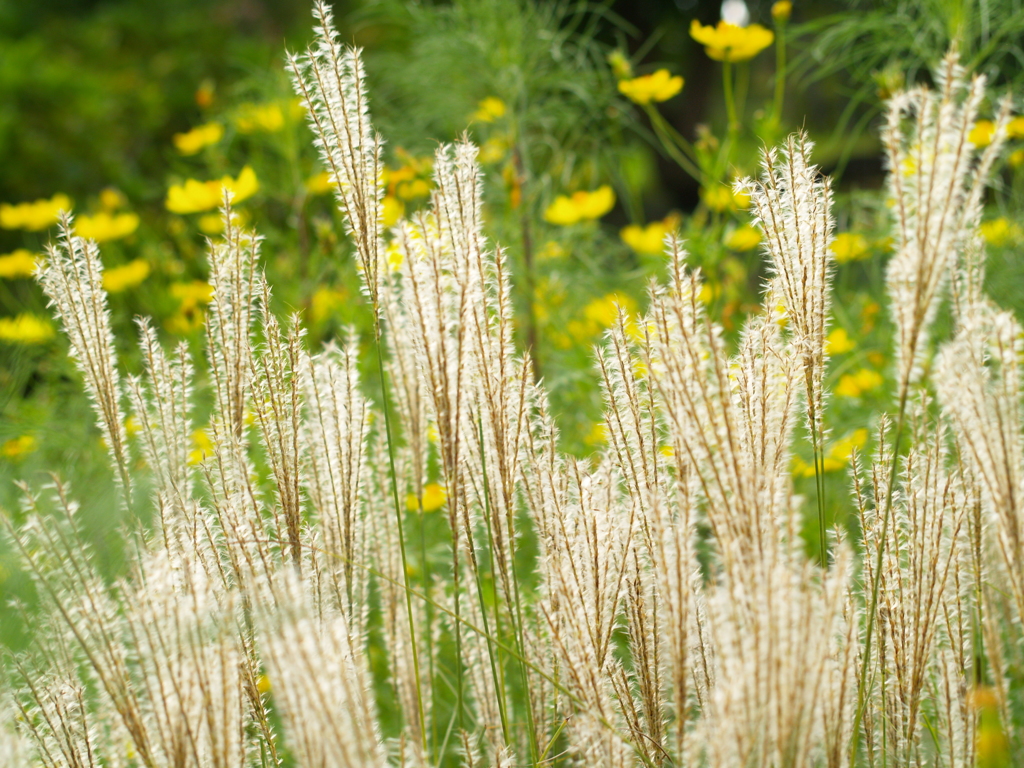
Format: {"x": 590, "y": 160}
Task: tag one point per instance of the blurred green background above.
{"x": 100, "y": 102}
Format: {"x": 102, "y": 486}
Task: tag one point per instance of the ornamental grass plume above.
{"x": 654, "y": 606}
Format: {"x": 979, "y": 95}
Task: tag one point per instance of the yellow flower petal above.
{"x": 126, "y": 276}
{"x": 743, "y": 238}
{"x": 728, "y": 42}
{"x": 659, "y": 86}
{"x": 191, "y": 142}
{"x": 490, "y": 109}
{"x": 106, "y": 226}
{"x": 839, "y": 342}
{"x": 582, "y": 206}
{"x": 982, "y": 132}
{"x": 25, "y": 329}
{"x": 35, "y": 216}
{"x": 849, "y": 246}
{"x": 18, "y": 264}
{"x": 195, "y": 196}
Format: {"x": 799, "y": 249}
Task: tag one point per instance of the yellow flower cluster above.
{"x": 838, "y": 456}
{"x": 106, "y": 226}
{"x": 36, "y": 216}
{"x": 18, "y": 264}
{"x": 191, "y": 142}
{"x": 743, "y": 238}
{"x": 17, "y": 447}
{"x": 839, "y": 342}
{"x": 25, "y": 329}
{"x": 120, "y": 279}
{"x": 582, "y": 206}
{"x": 660, "y": 86}
{"x": 649, "y": 240}
{"x": 434, "y": 497}
{"x": 854, "y": 385}
{"x": 1000, "y": 232}
{"x": 723, "y": 198}
{"x": 490, "y": 109}
{"x": 195, "y": 196}
{"x": 728, "y": 42}
{"x": 849, "y": 246}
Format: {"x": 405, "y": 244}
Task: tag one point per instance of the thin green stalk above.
{"x": 499, "y": 687}
{"x": 401, "y": 530}
{"x": 430, "y": 613}
{"x": 678, "y": 148}
{"x": 780, "y": 71}
{"x": 876, "y": 578}
{"x": 819, "y": 487}
{"x": 730, "y": 98}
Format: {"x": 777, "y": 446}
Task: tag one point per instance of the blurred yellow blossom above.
{"x": 111, "y": 199}
{"x": 34, "y": 216}
{"x": 213, "y": 223}
{"x": 605, "y": 310}
{"x": 838, "y": 456}
{"x": 411, "y": 190}
{"x": 324, "y": 302}
{"x": 251, "y": 118}
{"x": 1000, "y": 232}
{"x": 394, "y": 210}
{"x": 992, "y": 747}
{"x": 728, "y": 42}
{"x": 17, "y": 447}
{"x": 982, "y": 132}
{"x": 855, "y": 384}
{"x": 25, "y": 329}
{"x": 660, "y": 86}
{"x": 649, "y": 239}
{"x": 126, "y": 276}
{"x": 743, "y": 238}
{"x": 550, "y": 250}
{"x": 201, "y": 447}
{"x": 781, "y": 10}
{"x": 1015, "y": 128}
{"x": 849, "y": 246}
{"x": 191, "y": 142}
{"x": 598, "y": 434}
{"x": 582, "y": 206}
{"x": 106, "y": 226}
{"x": 493, "y": 150}
{"x": 721, "y": 198}
{"x": 18, "y": 264}
{"x": 434, "y": 497}
{"x": 195, "y": 196}
{"x": 192, "y": 293}
{"x": 839, "y": 342}
{"x": 319, "y": 184}
{"x": 489, "y": 110}
{"x": 204, "y": 93}
{"x": 1016, "y": 158}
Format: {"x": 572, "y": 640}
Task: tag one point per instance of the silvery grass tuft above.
{"x": 654, "y": 606}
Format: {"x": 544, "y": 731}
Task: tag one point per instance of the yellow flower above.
{"x": 187, "y": 321}
{"x": 649, "y": 239}
{"x": 743, "y": 238}
{"x": 394, "y": 210}
{"x": 839, "y": 342}
{"x": 605, "y": 311}
{"x": 582, "y": 206}
{"x": 324, "y": 302}
{"x": 213, "y": 223}
{"x": 727, "y": 42}
{"x": 853, "y": 385}
{"x": 1000, "y": 232}
{"x": 263, "y": 684}
{"x": 259, "y": 117}
{"x": 111, "y": 199}
{"x": 126, "y": 276}
{"x": 202, "y": 136}
{"x": 18, "y": 264}
{"x": 721, "y": 198}
{"x": 319, "y": 184}
{"x": 982, "y": 132}
{"x": 781, "y": 10}
{"x": 489, "y": 110}
{"x": 35, "y": 216}
{"x": 434, "y": 497}
{"x": 25, "y": 329}
{"x": 106, "y": 226}
{"x": 493, "y": 150}
{"x": 193, "y": 293}
{"x": 17, "y": 447}
{"x": 201, "y": 447}
{"x": 1015, "y": 128}
{"x": 661, "y": 86}
{"x": 849, "y": 246}
{"x": 410, "y": 190}
{"x": 1016, "y": 158}
{"x": 195, "y": 196}
{"x": 598, "y": 434}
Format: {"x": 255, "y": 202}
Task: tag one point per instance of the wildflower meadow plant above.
{"x": 297, "y": 601}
